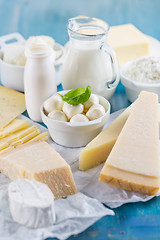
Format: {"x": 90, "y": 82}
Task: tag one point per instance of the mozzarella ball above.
{"x": 71, "y": 110}
{"x": 53, "y": 103}
{"x": 58, "y": 115}
{"x": 96, "y": 111}
{"x": 92, "y": 100}
{"x": 79, "y": 118}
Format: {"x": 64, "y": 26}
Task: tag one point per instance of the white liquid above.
{"x": 39, "y": 83}
{"x": 86, "y": 66}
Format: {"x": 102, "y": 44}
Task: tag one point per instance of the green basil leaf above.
{"x": 76, "y": 96}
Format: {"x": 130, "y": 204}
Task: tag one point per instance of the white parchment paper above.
{"x": 77, "y": 212}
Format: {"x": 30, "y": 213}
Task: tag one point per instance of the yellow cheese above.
{"x": 26, "y": 138}
{"x": 12, "y": 104}
{"x": 14, "y": 126}
{"x": 128, "y": 42}
{"x": 136, "y": 151}
{"x": 97, "y": 151}
{"x": 99, "y": 148}
{"x": 39, "y": 161}
{"x": 41, "y": 136}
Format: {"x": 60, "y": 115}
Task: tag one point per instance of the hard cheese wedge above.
{"x": 39, "y": 161}
{"x": 97, "y": 151}
{"x": 133, "y": 163}
{"x": 128, "y": 42}
{"x": 99, "y": 148}
{"x": 12, "y": 104}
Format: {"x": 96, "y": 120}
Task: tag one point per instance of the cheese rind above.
{"x": 128, "y": 42}
{"x": 136, "y": 151}
{"x": 40, "y": 162}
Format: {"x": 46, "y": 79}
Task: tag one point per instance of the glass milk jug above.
{"x": 89, "y": 59}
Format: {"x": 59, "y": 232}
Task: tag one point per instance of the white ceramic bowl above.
{"x": 12, "y": 75}
{"x": 76, "y": 134}
{"x": 134, "y": 88}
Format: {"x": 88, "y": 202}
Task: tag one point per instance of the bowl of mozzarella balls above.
{"x": 74, "y": 122}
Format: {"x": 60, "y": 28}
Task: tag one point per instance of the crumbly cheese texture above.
{"x": 12, "y": 104}
{"x": 31, "y": 203}
{"x": 40, "y": 162}
{"x": 136, "y": 151}
{"x": 145, "y": 70}
{"x": 128, "y": 42}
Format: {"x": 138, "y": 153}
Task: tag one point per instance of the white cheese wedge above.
{"x": 133, "y": 163}
{"x": 31, "y": 203}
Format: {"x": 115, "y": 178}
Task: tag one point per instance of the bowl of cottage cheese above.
{"x": 141, "y": 74}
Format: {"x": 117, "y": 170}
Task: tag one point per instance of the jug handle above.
{"x": 115, "y": 65}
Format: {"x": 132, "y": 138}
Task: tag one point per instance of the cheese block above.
{"x": 97, "y": 151}
{"x": 39, "y": 161}
{"x": 99, "y": 148}
{"x": 128, "y": 42}
{"x": 135, "y": 154}
{"x": 31, "y": 203}
{"x": 12, "y": 104}
{"x": 14, "y": 126}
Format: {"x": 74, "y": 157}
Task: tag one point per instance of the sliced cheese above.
{"x": 41, "y": 136}
{"x": 14, "y": 126}
{"x": 128, "y": 42}
{"x": 12, "y": 104}
{"x": 40, "y": 162}
{"x": 136, "y": 150}
{"x": 25, "y": 138}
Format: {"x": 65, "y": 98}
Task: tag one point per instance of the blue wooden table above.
{"x": 131, "y": 221}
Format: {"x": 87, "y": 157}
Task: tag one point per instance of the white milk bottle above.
{"x": 89, "y": 59}
{"x": 39, "y": 79}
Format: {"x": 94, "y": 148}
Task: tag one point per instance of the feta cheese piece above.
{"x": 31, "y": 203}
{"x": 96, "y": 111}
{"x": 92, "y": 100}
{"x": 14, "y": 54}
{"x": 53, "y": 103}
{"x": 58, "y": 115}
{"x": 71, "y": 110}
{"x": 79, "y": 118}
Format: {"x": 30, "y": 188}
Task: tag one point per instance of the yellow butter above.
{"x": 39, "y": 161}
{"x": 128, "y": 42}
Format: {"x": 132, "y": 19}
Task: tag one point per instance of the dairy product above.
{"x": 95, "y": 111}
{"x": 128, "y": 42}
{"x": 136, "y": 151}
{"x": 12, "y": 104}
{"x": 14, "y": 54}
{"x": 92, "y": 100}
{"x": 53, "y": 103}
{"x": 79, "y": 118}
{"x": 38, "y": 161}
{"x": 145, "y": 69}
{"x": 31, "y": 203}
{"x": 58, "y": 115}
{"x": 71, "y": 110}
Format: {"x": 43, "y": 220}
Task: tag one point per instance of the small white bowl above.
{"x": 76, "y": 134}
{"x": 12, "y": 75}
{"x": 133, "y": 88}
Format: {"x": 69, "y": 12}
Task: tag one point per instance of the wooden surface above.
{"x": 36, "y": 17}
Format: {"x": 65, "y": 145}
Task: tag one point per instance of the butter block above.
{"x": 128, "y": 42}
{"x": 136, "y": 151}
{"x": 39, "y": 161}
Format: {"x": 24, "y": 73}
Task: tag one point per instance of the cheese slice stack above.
{"x": 133, "y": 163}
{"x": 39, "y": 161}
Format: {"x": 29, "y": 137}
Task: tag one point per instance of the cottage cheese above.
{"x": 146, "y": 70}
